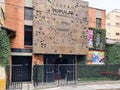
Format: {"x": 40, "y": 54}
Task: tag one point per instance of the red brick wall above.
{"x": 14, "y": 13}
{"x": 104, "y": 19}
{"x": 38, "y": 58}
{"x": 92, "y": 18}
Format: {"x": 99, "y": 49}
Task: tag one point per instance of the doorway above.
{"x": 59, "y": 67}
{"x": 26, "y": 62}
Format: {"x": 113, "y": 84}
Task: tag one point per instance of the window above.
{"x": 98, "y": 40}
{"x": 108, "y": 35}
{"x": 117, "y": 24}
{"x": 28, "y": 13}
{"x": 28, "y": 35}
{"x": 117, "y": 34}
{"x": 98, "y": 22}
{"x": 108, "y": 25}
{"x": 117, "y": 17}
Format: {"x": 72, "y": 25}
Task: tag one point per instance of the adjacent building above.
{"x": 2, "y": 10}
{"x": 96, "y": 36}
{"x": 3, "y": 31}
{"x": 97, "y": 18}
{"x": 10, "y": 32}
{"x": 113, "y": 25}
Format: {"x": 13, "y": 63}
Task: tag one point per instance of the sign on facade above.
{"x": 60, "y": 27}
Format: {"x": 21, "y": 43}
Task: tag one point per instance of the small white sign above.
{"x": 2, "y": 73}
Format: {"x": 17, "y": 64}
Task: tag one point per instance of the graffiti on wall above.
{"x": 60, "y": 27}
{"x": 95, "y": 57}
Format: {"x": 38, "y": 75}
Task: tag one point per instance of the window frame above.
{"x": 28, "y": 13}
{"x": 98, "y": 22}
{"x": 28, "y": 35}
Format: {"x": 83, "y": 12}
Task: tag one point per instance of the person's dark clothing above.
{"x": 35, "y": 81}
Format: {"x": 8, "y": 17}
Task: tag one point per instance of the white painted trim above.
{"x": 21, "y": 54}
{"x": 28, "y": 22}
{"x": 28, "y": 3}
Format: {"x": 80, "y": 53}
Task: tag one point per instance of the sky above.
{"x": 108, "y": 5}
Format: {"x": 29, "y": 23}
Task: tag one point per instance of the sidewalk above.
{"x": 88, "y": 87}
{"x": 101, "y": 85}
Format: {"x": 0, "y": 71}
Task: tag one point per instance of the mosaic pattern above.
{"x": 60, "y": 27}
{"x": 96, "y": 57}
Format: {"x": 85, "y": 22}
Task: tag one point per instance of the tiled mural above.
{"x": 60, "y": 27}
{"x": 96, "y": 57}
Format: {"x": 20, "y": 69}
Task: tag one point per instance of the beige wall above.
{"x": 28, "y": 3}
{"x": 1, "y": 17}
{"x": 59, "y": 28}
{"x": 112, "y": 28}
{"x": 2, "y": 11}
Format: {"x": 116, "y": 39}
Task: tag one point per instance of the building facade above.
{"x": 96, "y": 36}
{"x": 113, "y": 25}
{"x": 50, "y": 32}
{"x": 97, "y": 18}
{"x": 47, "y": 32}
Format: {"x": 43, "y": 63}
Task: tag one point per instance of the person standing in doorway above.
{"x": 35, "y": 69}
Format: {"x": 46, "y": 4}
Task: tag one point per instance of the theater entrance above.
{"x": 59, "y": 59}
{"x": 57, "y": 67}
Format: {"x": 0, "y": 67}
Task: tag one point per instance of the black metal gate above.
{"x": 49, "y": 73}
{"x": 67, "y": 74}
{"x": 14, "y": 76}
{"x": 57, "y": 75}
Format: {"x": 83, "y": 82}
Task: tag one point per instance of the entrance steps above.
{"x": 27, "y": 86}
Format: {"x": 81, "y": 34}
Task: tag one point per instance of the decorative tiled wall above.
{"x": 60, "y": 27}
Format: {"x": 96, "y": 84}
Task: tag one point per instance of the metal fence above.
{"x": 67, "y": 74}
{"x": 14, "y": 77}
{"x": 61, "y": 74}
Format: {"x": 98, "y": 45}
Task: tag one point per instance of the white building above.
{"x": 113, "y": 25}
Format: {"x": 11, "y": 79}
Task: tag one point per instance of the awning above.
{"x": 11, "y": 33}
{"x": 109, "y": 41}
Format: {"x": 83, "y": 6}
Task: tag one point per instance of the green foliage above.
{"x": 81, "y": 59}
{"x": 90, "y": 71}
{"x": 40, "y": 73}
{"x": 93, "y": 72}
{"x": 113, "y": 54}
{"x": 4, "y": 48}
{"x": 94, "y": 79}
{"x": 102, "y": 33}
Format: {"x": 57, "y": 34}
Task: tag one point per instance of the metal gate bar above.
{"x": 14, "y": 79}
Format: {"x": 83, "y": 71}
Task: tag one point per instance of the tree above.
{"x": 113, "y": 53}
